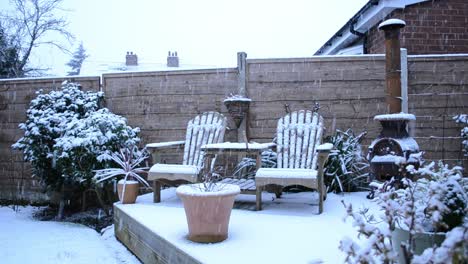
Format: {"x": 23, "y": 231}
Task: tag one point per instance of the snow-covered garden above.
{"x": 24, "y": 239}
{"x": 77, "y": 147}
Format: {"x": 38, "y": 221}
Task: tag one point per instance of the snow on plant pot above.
{"x": 129, "y": 160}
{"x": 423, "y": 240}
{"x": 208, "y": 207}
{"x": 208, "y": 212}
{"x": 237, "y": 106}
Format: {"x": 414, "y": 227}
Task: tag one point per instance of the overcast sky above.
{"x": 203, "y": 32}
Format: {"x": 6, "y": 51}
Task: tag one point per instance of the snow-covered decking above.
{"x": 287, "y": 230}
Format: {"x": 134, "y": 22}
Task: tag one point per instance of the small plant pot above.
{"x": 207, "y": 213}
{"x": 422, "y": 241}
{"x": 237, "y": 109}
{"x": 131, "y": 191}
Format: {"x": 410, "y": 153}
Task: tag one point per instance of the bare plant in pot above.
{"x": 208, "y": 207}
{"x": 129, "y": 160}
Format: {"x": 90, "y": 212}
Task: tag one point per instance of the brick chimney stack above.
{"x": 172, "y": 59}
{"x": 131, "y": 59}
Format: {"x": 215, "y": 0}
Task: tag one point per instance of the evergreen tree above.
{"x": 77, "y": 60}
{"x": 9, "y": 58}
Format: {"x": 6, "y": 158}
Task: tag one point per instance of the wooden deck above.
{"x": 156, "y": 232}
{"x": 247, "y": 186}
{"x": 148, "y": 246}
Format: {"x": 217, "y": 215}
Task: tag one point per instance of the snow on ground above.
{"x": 25, "y": 240}
{"x": 287, "y": 230}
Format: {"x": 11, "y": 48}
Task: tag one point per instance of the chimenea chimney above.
{"x": 391, "y": 27}
{"x": 393, "y": 149}
{"x": 172, "y": 59}
{"x": 131, "y": 59}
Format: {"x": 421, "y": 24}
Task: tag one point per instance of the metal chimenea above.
{"x": 393, "y": 149}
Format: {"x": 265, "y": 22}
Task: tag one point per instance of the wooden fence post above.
{"x": 242, "y": 131}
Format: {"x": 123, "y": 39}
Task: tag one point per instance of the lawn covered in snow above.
{"x": 287, "y": 230}
{"x": 25, "y": 240}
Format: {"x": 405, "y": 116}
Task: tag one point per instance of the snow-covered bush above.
{"x": 88, "y": 143}
{"x": 436, "y": 202}
{"x": 377, "y": 247}
{"x": 346, "y": 167}
{"x": 441, "y": 197}
{"x": 463, "y": 119}
{"x": 65, "y": 133}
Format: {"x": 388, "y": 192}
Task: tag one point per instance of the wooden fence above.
{"x": 349, "y": 90}
{"x": 16, "y": 180}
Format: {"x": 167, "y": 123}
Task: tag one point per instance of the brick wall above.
{"x": 15, "y": 96}
{"x": 432, "y": 27}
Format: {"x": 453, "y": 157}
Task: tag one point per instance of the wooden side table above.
{"x": 254, "y": 149}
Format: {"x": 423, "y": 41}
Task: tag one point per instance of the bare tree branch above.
{"x": 33, "y": 24}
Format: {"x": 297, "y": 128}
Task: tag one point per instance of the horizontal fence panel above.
{"x": 349, "y": 89}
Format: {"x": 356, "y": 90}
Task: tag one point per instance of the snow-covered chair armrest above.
{"x": 154, "y": 147}
{"x": 169, "y": 144}
{"x": 323, "y": 151}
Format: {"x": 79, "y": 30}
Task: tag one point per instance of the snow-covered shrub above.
{"x": 88, "y": 143}
{"x": 463, "y": 119}
{"x": 377, "y": 247}
{"x": 346, "y": 167}
{"x": 441, "y": 197}
{"x": 436, "y": 202}
{"x": 247, "y": 166}
{"x": 65, "y": 133}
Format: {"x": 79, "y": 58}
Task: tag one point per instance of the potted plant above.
{"x": 427, "y": 216}
{"x": 208, "y": 207}
{"x": 435, "y": 203}
{"x": 129, "y": 159}
{"x": 237, "y": 106}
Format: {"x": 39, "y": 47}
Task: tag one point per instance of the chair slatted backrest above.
{"x": 205, "y": 128}
{"x": 298, "y": 135}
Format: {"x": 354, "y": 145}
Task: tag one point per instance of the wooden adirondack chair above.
{"x": 300, "y": 156}
{"x": 206, "y": 128}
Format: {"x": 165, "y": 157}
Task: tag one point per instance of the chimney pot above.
{"x": 392, "y": 23}
{"x": 131, "y": 59}
{"x": 172, "y": 59}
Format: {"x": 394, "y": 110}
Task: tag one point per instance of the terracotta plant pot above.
{"x": 207, "y": 213}
{"x": 131, "y": 191}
